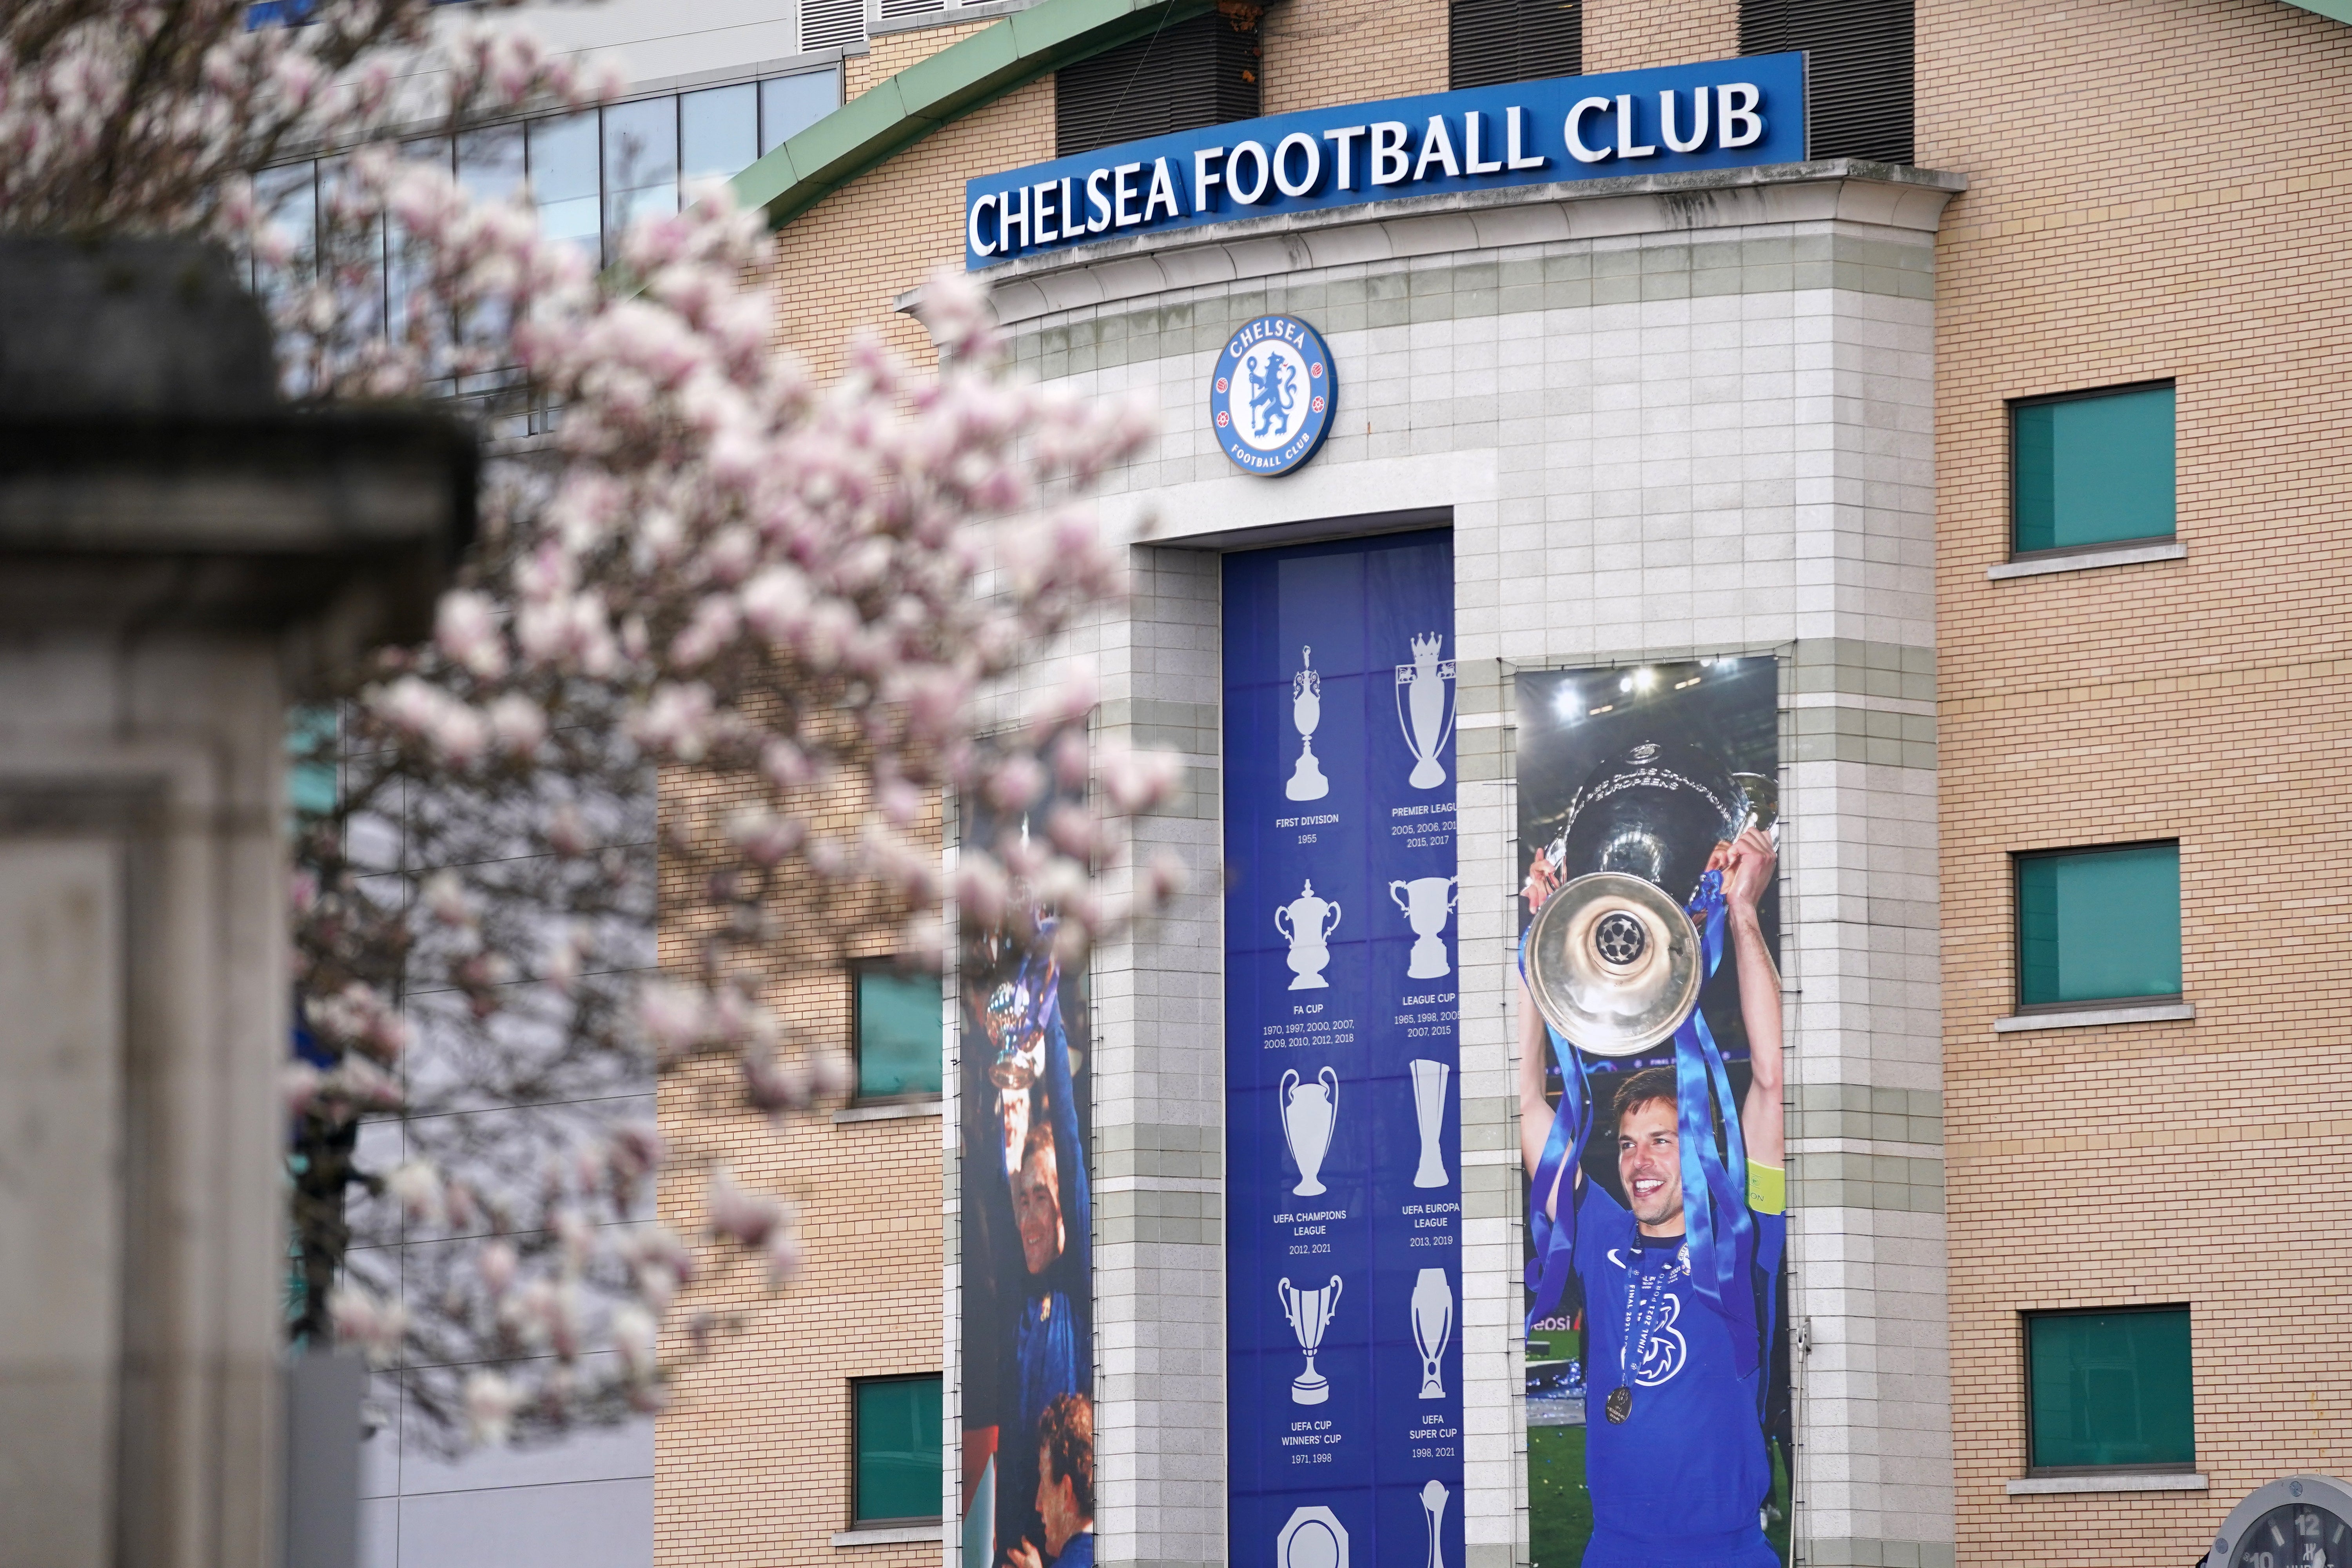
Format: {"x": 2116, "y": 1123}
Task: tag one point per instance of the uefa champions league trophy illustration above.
{"x": 1307, "y": 780}
{"x": 1426, "y": 902}
{"x": 1310, "y": 1312}
{"x": 1308, "y": 1109}
{"x": 1433, "y": 1497}
{"x": 1429, "y": 1110}
{"x": 1432, "y": 1326}
{"x": 1307, "y": 923}
{"x": 1424, "y": 711}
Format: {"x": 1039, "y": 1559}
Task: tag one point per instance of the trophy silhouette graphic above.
{"x": 1426, "y": 717}
{"x": 1433, "y": 1497}
{"x": 1307, "y": 923}
{"x": 1308, "y": 1109}
{"x": 1429, "y": 1110}
{"x": 1432, "y": 1326}
{"x": 1310, "y": 1312}
{"x": 1426, "y": 902}
{"x": 1307, "y": 780}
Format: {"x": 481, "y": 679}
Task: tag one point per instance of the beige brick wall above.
{"x": 1347, "y": 51}
{"x": 1634, "y": 35}
{"x": 2159, "y": 188}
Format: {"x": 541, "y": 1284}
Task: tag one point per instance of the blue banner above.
{"x": 1724, "y": 114}
{"x": 1342, "y": 1083}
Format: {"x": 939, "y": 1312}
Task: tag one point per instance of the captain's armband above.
{"x": 1768, "y": 1188}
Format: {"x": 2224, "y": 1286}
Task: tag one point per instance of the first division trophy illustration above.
{"x": 1308, "y": 1109}
{"x": 1433, "y": 1498}
{"x": 1426, "y": 902}
{"x": 1429, "y": 1111}
{"x": 1432, "y": 1326}
{"x": 1307, "y": 780}
{"x": 1422, "y": 711}
{"x": 1307, "y": 923}
{"x": 1310, "y": 1312}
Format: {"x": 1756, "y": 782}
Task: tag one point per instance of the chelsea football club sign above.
{"x": 1271, "y": 396}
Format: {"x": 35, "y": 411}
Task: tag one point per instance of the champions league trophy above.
{"x": 1020, "y": 1045}
{"x": 1432, "y": 1326}
{"x": 1426, "y": 902}
{"x": 1307, "y": 780}
{"x": 1425, "y": 714}
{"x": 1308, "y": 1109}
{"x": 1433, "y": 1497}
{"x": 1429, "y": 1110}
{"x": 1310, "y": 1312}
{"x": 1307, "y": 923}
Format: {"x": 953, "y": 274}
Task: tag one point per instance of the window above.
{"x": 1180, "y": 77}
{"x": 718, "y": 131}
{"x": 897, "y": 1439}
{"x": 1857, "y": 70}
{"x": 2110, "y": 1389}
{"x": 1495, "y": 41}
{"x": 2098, "y": 925}
{"x": 791, "y": 104}
{"x": 2092, "y": 468}
{"x": 900, "y": 1040}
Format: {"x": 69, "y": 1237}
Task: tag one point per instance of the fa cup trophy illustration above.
{"x": 1308, "y": 1109}
{"x": 1433, "y": 1497}
{"x": 1307, "y": 780}
{"x": 1307, "y": 923}
{"x": 1432, "y": 1326}
{"x": 1426, "y": 902}
{"x": 1429, "y": 1110}
{"x": 1424, "y": 711}
{"x": 1310, "y": 1312}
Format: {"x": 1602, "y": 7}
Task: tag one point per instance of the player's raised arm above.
{"x": 1535, "y": 1110}
{"x": 1747, "y": 876}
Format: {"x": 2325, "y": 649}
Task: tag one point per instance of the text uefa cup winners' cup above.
{"x": 1432, "y": 1326}
{"x": 1422, "y": 711}
{"x": 1308, "y": 1109}
{"x": 1310, "y": 1312}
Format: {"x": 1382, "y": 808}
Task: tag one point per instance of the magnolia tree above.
{"x": 692, "y": 562}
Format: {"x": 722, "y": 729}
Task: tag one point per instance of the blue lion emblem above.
{"x": 1273, "y": 390}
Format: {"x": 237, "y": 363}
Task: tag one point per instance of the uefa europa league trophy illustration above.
{"x": 1433, "y": 1325}
{"x": 1426, "y": 902}
{"x": 1307, "y": 923}
{"x": 1307, "y": 780}
{"x": 1308, "y": 1109}
{"x": 1429, "y": 1110}
{"x": 1433, "y": 1497}
{"x": 1424, "y": 711}
{"x": 1310, "y": 1312}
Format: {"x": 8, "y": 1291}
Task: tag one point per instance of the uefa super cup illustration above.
{"x": 1433, "y": 1497}
{"x": 1307, "y": 923}
{"x": 1423, "y": 710}
{"x": 1308, "y": 1109}
{"x": 1426, "y": 902}
{"x": 1432, "y": 1326}
{"x": 1309, "y": 1313}
{"x": 1429, "y": 1110}
{"x": 1307, "y": 780}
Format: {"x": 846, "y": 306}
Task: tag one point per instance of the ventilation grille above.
{"x": 1188, "y": 75}
{"x": 912, "y": 7}
{"x": 831, "y": 24}
{"x": 1495, "y": 41}
{"x": 1857, "y": 70}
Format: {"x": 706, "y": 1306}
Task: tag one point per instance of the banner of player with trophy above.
{"x": 1650, "y": 1116}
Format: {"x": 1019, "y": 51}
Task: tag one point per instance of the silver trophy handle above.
{"x": 1331, "y": 924}
{"x": 1282, "y": 923}
{"x": 1282, "y": 1093}
{"x": 1396, "y": 897}
{"x": 1330, "y": 1081}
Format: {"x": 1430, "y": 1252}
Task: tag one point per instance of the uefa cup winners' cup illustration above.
{"x": 1308, "y": 1109}
{"x": 1429, "y": 1110}
{"x": 1433, "y": 1497}
{"x": 1307, "y": 780}
{"x": 1310, "y": 1312}
{"x": 1432, "y": 1326}
{"x": 1307, "y": 923}
{"x": 1424, "y": 711}
{"x": 1426, "y": 902}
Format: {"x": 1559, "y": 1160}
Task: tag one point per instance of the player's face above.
{"x": 1037, "y": 1208}
{"x": 1650, "y": 1162}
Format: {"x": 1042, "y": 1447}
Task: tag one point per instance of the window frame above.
{"x": 2009, "y": 412}
{"x": 906, "y": 1521}
{"x": 2022, "y": 1007}
{"x": 2025, "y": 1321}
{"x": 887, "y": 964}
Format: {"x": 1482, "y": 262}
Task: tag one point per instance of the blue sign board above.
{"x": 1271, "y": 394}
{"x": 1342, "y": 1084}
{"x": 1725, "y": 114}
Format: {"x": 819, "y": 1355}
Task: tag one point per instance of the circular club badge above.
{"x": 1271, "y": 398}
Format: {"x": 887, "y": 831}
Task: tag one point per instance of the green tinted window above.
{"x": 2092, "y": 470}
{"x": 899, "y": 1451}
{"x": 2110, "y": 1388}
{"x": 900, "y": 1044}
{"x": 2098, "y": 924}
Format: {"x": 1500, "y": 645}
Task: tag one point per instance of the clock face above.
{"x": 2297, "y": 1535}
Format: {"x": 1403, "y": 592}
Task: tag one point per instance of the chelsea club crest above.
{"x": 1271, "y": 398}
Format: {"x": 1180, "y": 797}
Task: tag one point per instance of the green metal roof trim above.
{"x": 2341, "y": 10}
{"x": 900, "y": 110}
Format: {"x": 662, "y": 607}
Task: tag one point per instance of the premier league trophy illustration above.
{"x": 1424, "y": 711}
{"x": 1429, "y": 1110}
{"x": 1433, "y": 1497}
{"x": 1310, "y": 1312}
{"x": 1432, "y": 1326}
{"x": 1307, "y": 780}
{"x": 1426, "y": 902}
{"x": 1307, "y": 923}
{"x": 1308, "y": 1109}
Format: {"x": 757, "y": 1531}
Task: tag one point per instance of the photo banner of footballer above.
{"x": 1650, "y": 1116}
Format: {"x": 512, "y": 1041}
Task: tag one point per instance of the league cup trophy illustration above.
{"x": 1310, "y": 1312}
{"x": 1307, "y": 780}
{"x": 1433, "y": 1497}
{"x": 1429, "y": 1110}
{"x": 1426, "y": 902}
{"x": 1432, "y": 1326}
{"x": 1424, "y": 711}
{"x": 1307, "y": 923}
{"x": 1308, "y": 1109}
